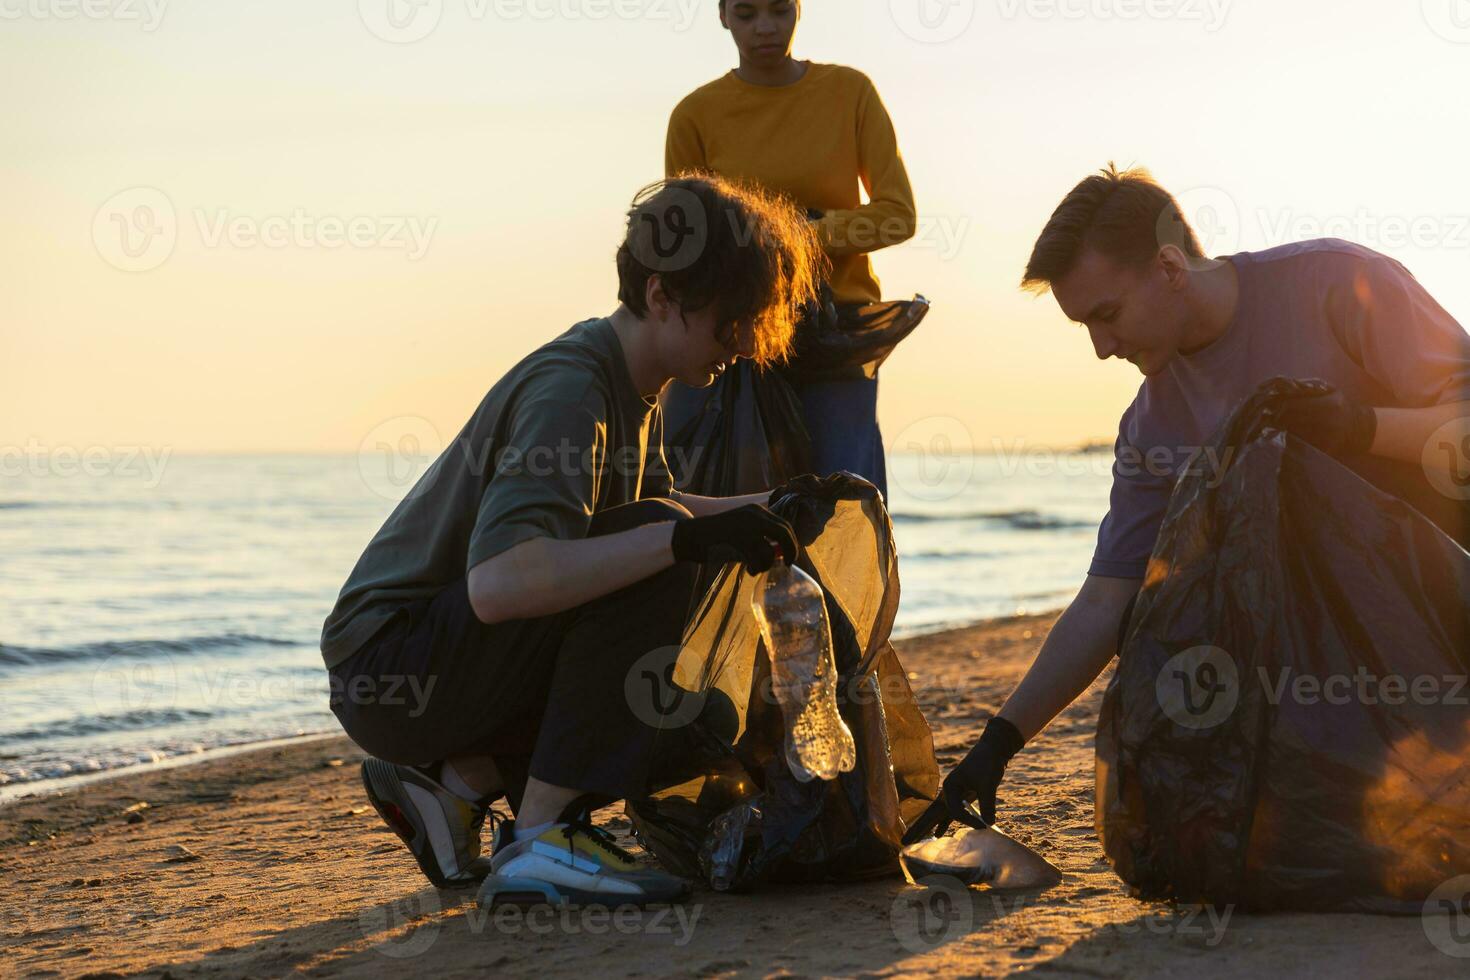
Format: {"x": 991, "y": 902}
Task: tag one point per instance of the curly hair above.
{"x": 750, "y": 256}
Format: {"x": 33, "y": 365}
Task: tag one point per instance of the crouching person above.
{"x": 545, "y": 553}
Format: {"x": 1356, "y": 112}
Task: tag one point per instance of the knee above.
{"x": 654, "y": 510}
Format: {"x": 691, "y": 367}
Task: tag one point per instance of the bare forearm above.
{"x": 545, "y": 576}
{"x": 1404, "y": 433}
{"x": 1074, "y": 654}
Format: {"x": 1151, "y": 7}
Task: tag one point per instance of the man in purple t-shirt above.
{"x": 1120, "y": 260}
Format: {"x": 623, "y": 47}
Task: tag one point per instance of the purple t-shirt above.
{"x": 1324, "y": 309}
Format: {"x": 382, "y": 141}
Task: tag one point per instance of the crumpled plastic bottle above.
{"x": 792, "y": 614}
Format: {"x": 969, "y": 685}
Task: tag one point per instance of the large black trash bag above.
{"x": 782, "y": 829}
{"x": 1221, "y": 776}
{"x": 743, "y": 434}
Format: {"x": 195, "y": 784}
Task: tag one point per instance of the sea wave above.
{"x": 1020, "y": 520}
{"x": 19, "y": 656}
{"x": 100, "y": 724}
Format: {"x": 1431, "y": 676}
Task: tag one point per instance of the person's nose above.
{"x": 1103, "y": 343}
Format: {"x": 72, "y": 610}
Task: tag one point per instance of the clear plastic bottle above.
{"x": 792, "y": 615}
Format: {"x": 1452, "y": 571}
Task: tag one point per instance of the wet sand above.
{"x": 271, "y": 863}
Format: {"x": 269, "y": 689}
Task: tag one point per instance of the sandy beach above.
{"x": 271, "y": 863}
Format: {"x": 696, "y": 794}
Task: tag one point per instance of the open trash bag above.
{"x": 1288, "y": 724}
{"x": 736, "y": 816}
{"x": 846, "y": 341}
{"x": 743, "y": 434}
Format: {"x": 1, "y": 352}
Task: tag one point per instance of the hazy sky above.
{"x": 481, "y": 171}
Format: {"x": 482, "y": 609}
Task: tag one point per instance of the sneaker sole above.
{"x": 498, "y": 890}
{"x": 385, "y": 792}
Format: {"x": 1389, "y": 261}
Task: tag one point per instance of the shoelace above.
{"x": 599, "y": 837}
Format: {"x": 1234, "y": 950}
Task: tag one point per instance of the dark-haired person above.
{"x": 481, "y": 644}
{"x": 1121, "y": 261}
{"x": 820, "y": 135}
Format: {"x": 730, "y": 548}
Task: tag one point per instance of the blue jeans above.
{"x": 842, "y": 419}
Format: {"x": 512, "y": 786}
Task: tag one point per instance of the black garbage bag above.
{"x": 843, "y": 341}
{"x": 737, "y": 816}
{"x": 1263, "y": 742}
{"x": 743, "y": 434}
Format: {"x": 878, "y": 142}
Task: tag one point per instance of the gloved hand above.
{"x": 976, "y": 778}
{"x": 1331, "y": 421}
{"x": 838, "y": 486}
{"x": 749, "y": 534}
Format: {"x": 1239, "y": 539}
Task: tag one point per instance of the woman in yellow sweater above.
{"x": 820, "y": 134}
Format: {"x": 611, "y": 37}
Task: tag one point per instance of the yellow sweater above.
{"x": 816, "y": 140}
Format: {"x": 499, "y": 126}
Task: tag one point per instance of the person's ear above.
{"x": 1174, "y": 265}
{"x": 723, "y": 22}
{"x": 656, "y": 298}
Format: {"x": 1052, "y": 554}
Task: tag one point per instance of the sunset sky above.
{"x": 483, "y": 170}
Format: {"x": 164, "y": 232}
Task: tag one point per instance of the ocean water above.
{"x": 159, "y": 610}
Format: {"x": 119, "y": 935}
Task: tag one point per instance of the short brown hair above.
{"x": 1125, "y": 215}
{"x": 749, "y": 255}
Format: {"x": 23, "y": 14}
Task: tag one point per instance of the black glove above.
{"x": 838, "y": 486}
{"x": 1331, "y": 421}
{"x": 976, "y": 778}
{"x": 750, "y": 535}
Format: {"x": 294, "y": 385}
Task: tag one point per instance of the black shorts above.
{"x": 541, "y": 696}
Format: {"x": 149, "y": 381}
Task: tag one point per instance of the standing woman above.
{"x": 817, "y": 133}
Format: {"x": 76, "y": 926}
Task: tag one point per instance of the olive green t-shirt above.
{"x": 561, "y": 437}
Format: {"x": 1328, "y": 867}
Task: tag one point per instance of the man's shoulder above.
{"x": 572, "y": 367}
{"x": 1316, "y": 253}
